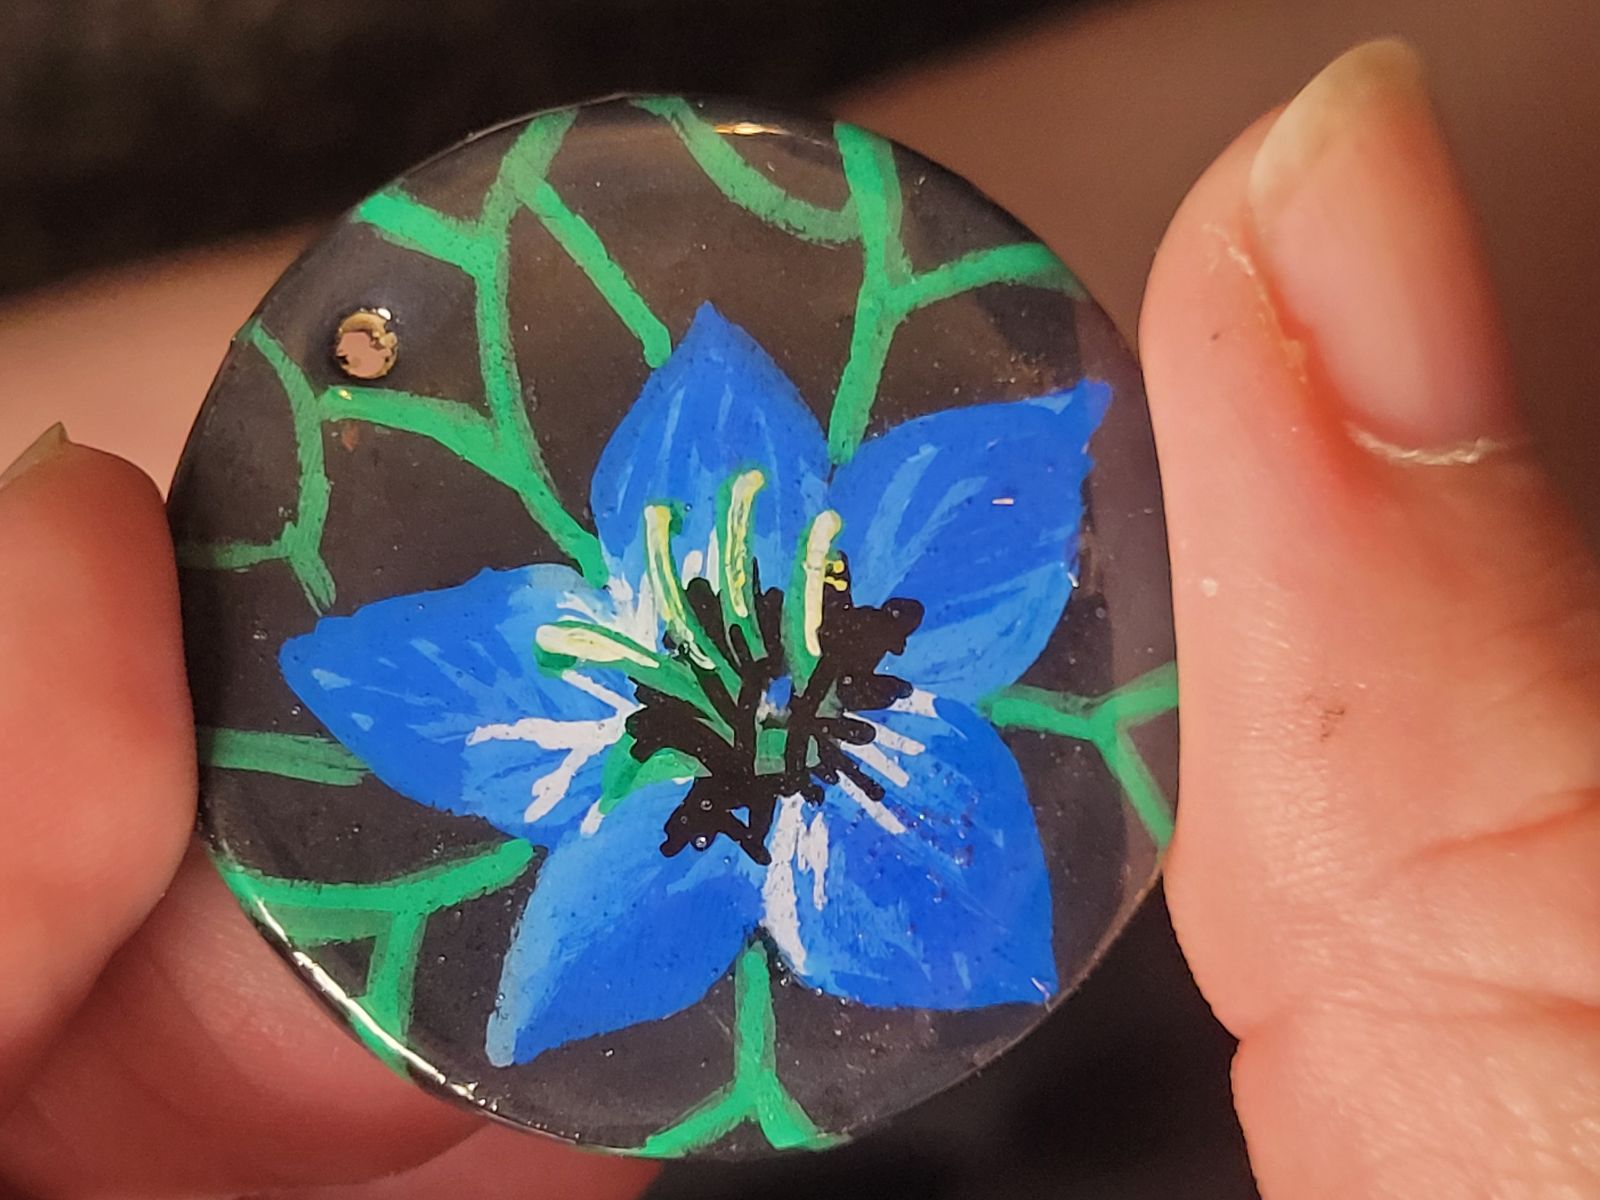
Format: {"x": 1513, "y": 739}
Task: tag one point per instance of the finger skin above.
{"x": 97, "y": 773}
{"x": 507, "y": 1164}
{"x": 201, "y": 1065}
{"x": 193, "y": 1062}
{"x": 1383, "y": 874}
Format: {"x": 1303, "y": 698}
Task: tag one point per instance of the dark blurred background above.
{"x": 132, "y": 129}
{"x": 203, "y": 118}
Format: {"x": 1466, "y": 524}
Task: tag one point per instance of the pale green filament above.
{"x": 680, "y": 620}
{"x": 818, "y": 575}
{"x": 734, "y": 552}
{"x": 816, "y": 567}
{"x": 594, "y": 644}
{"x": 658, "y": 522}
{"x": 568, "y": 641}
{"x": 736, "y": 541}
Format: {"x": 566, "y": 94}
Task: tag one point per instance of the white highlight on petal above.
{"x": 572, "y": 602}
{"x": 329, "y": 680}
{"x": 781, "y": 907}
{"x": 635, "y": 611}
{"x": 591, "y": 820}
{"x": 963, "y": 969}
{"x": 1003, "y": 501}
{"x": 892, "y": 739}
{"x": 873, "y": 756}
{"x": 811, "y": 854}
{"x": 918, "y": 704}
{"x": 591, "y": 687}
{"x": 873, "y": 808}
{"x": 582, "y": 741}
{"x": 714, "y": 561}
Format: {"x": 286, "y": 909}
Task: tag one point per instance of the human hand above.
{"x": 1383, "y": 873}
{"x": 150, "y": 1042}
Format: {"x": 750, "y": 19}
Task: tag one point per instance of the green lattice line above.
{"x": 756, "y": 1094}
{"x": 291, "y": 755}
{"x": 503, "y": 446}
{"x": 890, "y": 290}
{"x": 312, "y": 914}
{"x": 1105, "y": 722}
{"x": 392, "y": 914}
{"x": 743, "y": 184}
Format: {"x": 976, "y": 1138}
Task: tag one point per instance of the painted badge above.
{"x": 677, "y": 611}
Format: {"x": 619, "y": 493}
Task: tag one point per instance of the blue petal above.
{"x": 717, "y": 407}
{"x": 938, "y": 896}
{"x": 428, "y": 690}
{"x": 974, "y": 512}
{"x": 617, "y": 933}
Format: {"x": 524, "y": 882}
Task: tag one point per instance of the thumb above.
{"x": 96, "y": 749}
{"x": 1384, "y": 871}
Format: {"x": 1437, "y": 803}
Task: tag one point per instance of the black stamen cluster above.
{"x": 732, "y": 797}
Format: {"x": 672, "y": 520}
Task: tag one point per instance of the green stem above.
{"x": 393, "y": 913}
{"x": 302, "y": 537}
{"x": 891, "y": 291}
{"x": 481, "y": 249}
{"x": 291, "y": 755}
{"x": 1104, "y": 722}
{"x": 583, "y": 245}
{"x": 459, "y": 429}
{"x": 1021, "y": 263}
{"x": 229, "y": 556}
{"x": 405, "y": 221}
{"x": 560, "y": 644}
{"x": 744, "y": 184}
{"x": 756, "y": 1093}
{"x": 869, "y": 170}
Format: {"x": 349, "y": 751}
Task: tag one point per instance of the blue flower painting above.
{"x": 765, "y": 723}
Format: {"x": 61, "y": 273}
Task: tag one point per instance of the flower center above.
{"x": 756, "y": 689}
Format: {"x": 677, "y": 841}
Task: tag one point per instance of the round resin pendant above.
{"x": 678, "y": 617}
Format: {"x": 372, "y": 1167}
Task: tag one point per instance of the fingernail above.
{"x": 45, "y": 447}
{"x": 1365, "y": 235}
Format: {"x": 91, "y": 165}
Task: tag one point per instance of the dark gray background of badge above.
{"x": 407, "y": 516}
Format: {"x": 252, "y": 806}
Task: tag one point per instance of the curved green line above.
{"x": 530, "y": 156}
{"x": 229, "y": 556}
{"x": 874, "y": 181}
{"x": 463, "y": 431}
{"x": 393, "y": 913}
{"x": 400, "y": 218}
{"x": 869, "y": 169}
{"x": 756, "y": 1093}
{"x": 578, "y": 238}
{"x": 744, "y": 184}
{"x": 481, "y": 249}
{"x": 1019, "y": 263}
{"x": 1104, "y": 722}
{"x": 290, "y": 755}
{"x": 423, "y": 891}
{"x": 301, "y": 538}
